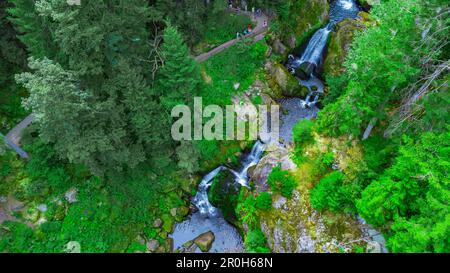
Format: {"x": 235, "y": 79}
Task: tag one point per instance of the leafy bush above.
{"x": 302, "y": 135}
{"x": 281, "y": 181}
{"x": 331, "y": 193}
{"x": 264, "y": 201}
{"x": 255, "y": 241}
{"x": 247, "y": 211}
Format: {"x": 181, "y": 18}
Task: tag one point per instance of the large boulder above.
{"x": 276, "y": 155}
{"x": 340, "y": 42}
{"x": 204, "y": 241}
{"x": 285, "y": 81}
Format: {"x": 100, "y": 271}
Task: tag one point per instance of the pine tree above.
{"x": 33, "y": 28}
{"x": 179, "y": 77}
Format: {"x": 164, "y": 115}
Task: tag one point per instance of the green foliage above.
{"x": 281, "y": 181}
{"x": 331, "y": 193}
{"x": 372, "y": 77}
{"x": 222, "y": 26}
{"x": 303, "y": 136}
{"x": 179, "y": 77}
{"x": 237, "y": 64}
{"x": 12, "y": 60}
{"x": 264, "y": 201}
{"x": 255, "y": 241}
{"x": 247, "y": 211}
{"x": 33, "y": 28}
{"x": 412, "y": 196}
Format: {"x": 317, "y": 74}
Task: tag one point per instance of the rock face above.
{"x": 152, "y": 245}
{"x": 71, "y": 195}
{"x": 276, "y": 155}
{"x": 339, "y": 46}
{"x": 305, "y": 16}
{"x": 204, "y": 241}
{"x": 292, "y": 225}
{"x": 285, "y": 81}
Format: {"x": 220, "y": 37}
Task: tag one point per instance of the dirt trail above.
{"x": 257, "y": 35}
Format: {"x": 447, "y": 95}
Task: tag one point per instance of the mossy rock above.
{"x": 304, "y": 18}
{"x": 168, "y": 223}
{"x": 287, "y": 83}
{"x": 223, "y": 195}
{"x": 339, "y": 46}
{"x": 204, "y": 241}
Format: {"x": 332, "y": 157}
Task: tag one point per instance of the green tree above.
{"x": 178, "y": 79}
{"x": 373, "y": 78}
{"x": 412, "y": 196}
{"x": 33, "y": 28}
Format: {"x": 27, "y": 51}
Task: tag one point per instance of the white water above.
{"x": 201, "y": 198}
{"x": 208, "y": 217}
{"x": 314, "y": 51}
{"x": 313, "y": 54}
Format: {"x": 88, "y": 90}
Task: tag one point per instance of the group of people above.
{"x": 249, "y": 28}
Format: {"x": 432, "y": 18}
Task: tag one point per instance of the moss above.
{"x": 302, "y": 19}
{"x": 339, "y": 45}
{"x": 168, "y": 222}
{"x": 285, "y": 81}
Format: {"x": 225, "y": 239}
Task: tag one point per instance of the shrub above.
{"x": 264, "y": 201}
{"x": 331, "y": 194}
{"x": 281, "y": 181}
{"x": 255, "y": 241}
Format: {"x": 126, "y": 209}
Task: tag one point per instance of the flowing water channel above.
{"x": 208, "y": 217}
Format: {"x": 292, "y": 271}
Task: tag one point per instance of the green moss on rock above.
{"x": 339, "y": 45}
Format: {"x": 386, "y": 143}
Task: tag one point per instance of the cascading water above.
{"x": 201, "y": 198}
{"x": 305, "y": 67}
{"x": 208, "y": 217}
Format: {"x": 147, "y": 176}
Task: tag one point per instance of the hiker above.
{"x": 249, "y": 28}
{"x": 265, "y": 23}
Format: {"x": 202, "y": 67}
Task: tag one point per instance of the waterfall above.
{"x": 314, "y": 51}
{"x": 306, "y": 65}
{"x": 201, "y": 198}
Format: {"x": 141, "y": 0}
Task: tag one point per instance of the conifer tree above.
{"x": 179, "y": 77}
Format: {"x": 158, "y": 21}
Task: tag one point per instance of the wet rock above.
{"x": 374, "y": 247}
{"x": 169, "y": 245}
{"x": 276, "y": 155}
{"x": 192, "y": 209}
{"x": 157, "y": 223}
{"x": 288, "y": 84}
{"x": 42, "y": 207}
{"x": 188, "y": 244}
{"x": 71, "y": 195}
{"x": 152, "y": 245}
{"x": 204, "y": 241}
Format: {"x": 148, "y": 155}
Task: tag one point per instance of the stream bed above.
{"x": 208, "y": 218}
